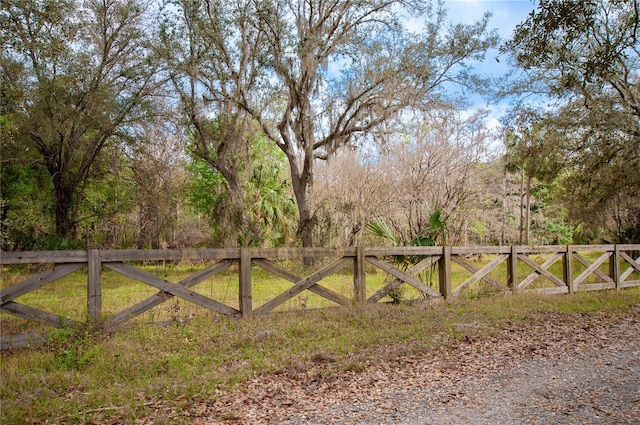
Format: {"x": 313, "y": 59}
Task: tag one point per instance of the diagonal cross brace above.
{"x": 30, "y": 313}
{"x": 540, "y": 269}
{"x": 422, "y": 265}
{"x": 592, "y": 268}
{"x": 635, "y": 264}
{"x": 404, "y": 277}
{"x": 480, "y": 274}
{"x": 37, "y": 281}
{"x": 304, "y": 284}
{"x": 171, "y": 288}
{"x": 293, "y": 277}
{"x": 160, "y": 297}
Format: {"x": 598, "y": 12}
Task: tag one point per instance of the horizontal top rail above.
{"x": 606, "y": 248}
{"x": 193, "y": 254}
{"x": 219, "y": 253}
{"x": 35, "y": 257}
{"x": 169, "y": 254}
{"x": 475, "y": 250}
{"x": 540, "y": 249}
{"x": 406, "y": 250}
{"x": 281, "y": 253}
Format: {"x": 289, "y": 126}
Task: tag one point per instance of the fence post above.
{"x": 512, "y": 271}
{"x": 359, "y": 285}
{"x": 567, "y": 269}
{"x": 245, "y": 297}
{"x": 614, "y": 265}
{"x": 444, "y": 272}
{"x": 94, "y": 287}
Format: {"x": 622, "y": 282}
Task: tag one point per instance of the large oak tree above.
{"x": 316, "y": 75}
{"x": 83, "y": 75}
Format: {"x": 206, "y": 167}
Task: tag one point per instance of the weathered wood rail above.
{"x": 616, "y": 266}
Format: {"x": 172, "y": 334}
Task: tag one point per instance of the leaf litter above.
{"x": 563, "y": 370}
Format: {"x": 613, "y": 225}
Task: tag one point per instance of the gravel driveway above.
{"x": 559, "y": 372}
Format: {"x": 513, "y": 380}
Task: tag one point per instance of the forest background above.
{"x": 149, "y": 124}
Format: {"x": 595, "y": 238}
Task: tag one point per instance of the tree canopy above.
{"x": 584, "y": 48}
{"x": 81, "y": 74}
{"x": 586, "y": 55}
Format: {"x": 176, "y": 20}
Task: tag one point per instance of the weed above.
{"x": 73, "y": 348}
{"x": 397, "y": 295}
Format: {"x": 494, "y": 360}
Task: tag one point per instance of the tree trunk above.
{"x": 305, "y": 221}
{"x": 301, "y": 183}
{"x": 527, "y": 211}
{"x": 66, "y": 211}
{"x": 503, "y": 227}
{"x": 522, "y": 196}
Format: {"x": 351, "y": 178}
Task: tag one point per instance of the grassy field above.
{"x": 93, "y": 375}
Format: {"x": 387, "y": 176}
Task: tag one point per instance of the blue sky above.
{"x": 506, "y": 14}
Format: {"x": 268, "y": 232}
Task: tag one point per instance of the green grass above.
{"x": 92, "y": 374}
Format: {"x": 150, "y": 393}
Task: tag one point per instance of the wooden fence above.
{"x": 584, "y": 268}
